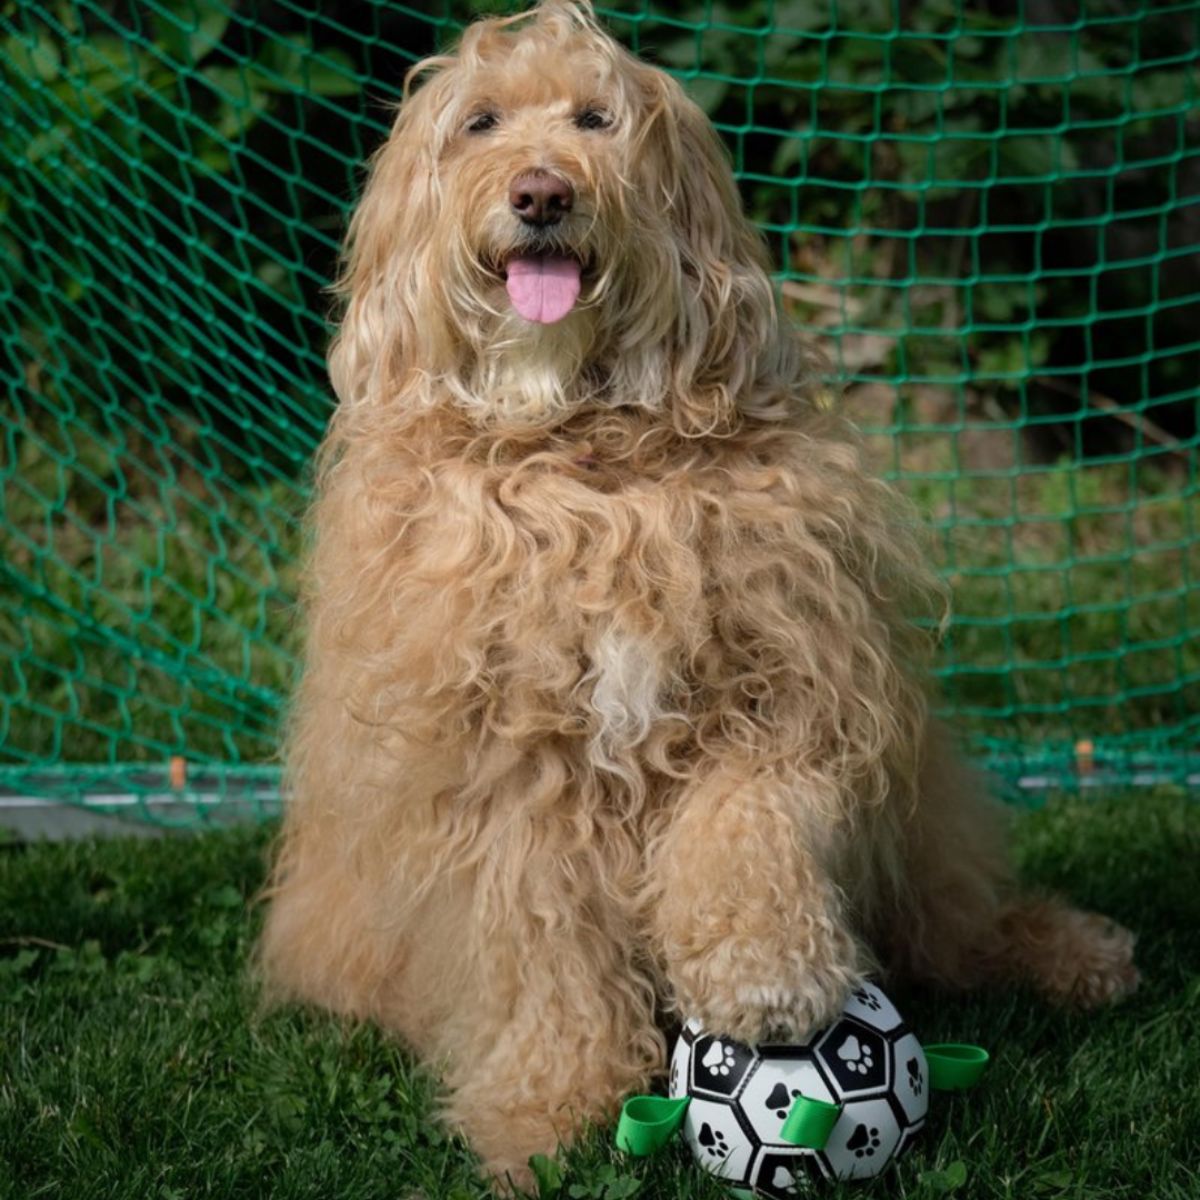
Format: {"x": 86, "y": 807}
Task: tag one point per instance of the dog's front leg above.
{"x": 556, "y": 1026}
{"x": 748, "y": 925}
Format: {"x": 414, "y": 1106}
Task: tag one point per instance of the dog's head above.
{"x": 552, "y": 223}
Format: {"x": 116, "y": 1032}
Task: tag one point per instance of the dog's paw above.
{"x": 754, "y": 998}
{"x": 794, "y": 1012}
{"x": 1098, "y": 961}
{"x": 1077, "y": 957}
{"x": 511, "y": 1179}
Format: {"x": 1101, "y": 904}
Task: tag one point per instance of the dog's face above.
{"x": 541, "y": 177}
{"x": 551, "y": 221}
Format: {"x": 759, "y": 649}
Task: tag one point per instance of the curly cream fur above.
{"x": 614, "y": 699}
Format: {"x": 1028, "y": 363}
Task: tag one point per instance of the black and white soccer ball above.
{"x": 867, "y": 1061}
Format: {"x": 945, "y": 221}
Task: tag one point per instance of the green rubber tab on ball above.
{"x": 647, "y": 1123}
{"x": 955, "y": 1065}
{"x": 810, "y": 1122}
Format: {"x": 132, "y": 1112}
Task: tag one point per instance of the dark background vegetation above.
{"x": 1050, "y": 162}
{"x": 992, "y": 220}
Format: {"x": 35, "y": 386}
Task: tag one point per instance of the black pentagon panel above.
{"x": 783, "y": 1176}
{"x": 855, "y": 1059}
{"x": 720, "y": 1066}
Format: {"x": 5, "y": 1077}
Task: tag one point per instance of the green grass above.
{"x": 133, "y": 1065}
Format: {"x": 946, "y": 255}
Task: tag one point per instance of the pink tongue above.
{"x": 543, "y": 287}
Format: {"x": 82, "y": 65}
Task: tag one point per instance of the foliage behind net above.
{"x": 993, "y": 220}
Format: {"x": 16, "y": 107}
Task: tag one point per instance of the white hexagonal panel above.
{"x": 718, "y": 1139}
{"x": 910, "y": 1077}
{"x": 773, "y": 1088}
{"x": 873, "y": 1008}
{"x": 863, "y": 1140}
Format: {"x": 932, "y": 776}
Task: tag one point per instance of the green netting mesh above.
{"x": 993, "y": 219}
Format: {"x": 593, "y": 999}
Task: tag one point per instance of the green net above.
{"x": 993, "y": 220}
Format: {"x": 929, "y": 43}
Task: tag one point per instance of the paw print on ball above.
{"x": 916, "y": 1080}
{"x": 719, "y": 1060}
{"x": 868, "y": 1005}
{"x": 781, "y": 1176}
{"x": 855, "y": 1058}
{"x": 780, "y": 1100}
{"x": 719, "y": 1065}
{"x": 856, "y": 1055}
{"x": 864, "y": 1141}
{"x": 713, "y": 1141}
{"x": 784, "y": 1180}
{"x": 869, "y": 999}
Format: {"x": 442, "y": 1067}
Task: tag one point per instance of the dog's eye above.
{"x": 592, "y": 118}
{"x": 482, "y": 122}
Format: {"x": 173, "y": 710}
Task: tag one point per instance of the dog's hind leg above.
{"x": 958, "y": 917}
{"x": 321, "y": 943}
{"x": 339, "y": 930}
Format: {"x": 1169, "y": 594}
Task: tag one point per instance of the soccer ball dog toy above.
{"x": 841, "y": 1106}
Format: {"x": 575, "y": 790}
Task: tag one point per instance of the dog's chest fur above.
{"x": 627, "y": 687}
{"x": 614, "y": 600}
{"x": 610, "y": 578}
{"x": 640, "y": 609}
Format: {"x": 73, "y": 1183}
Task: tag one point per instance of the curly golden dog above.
{"x": 614, "y": 706}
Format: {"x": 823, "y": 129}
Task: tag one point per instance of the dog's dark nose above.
{"x": 541, "y": 197}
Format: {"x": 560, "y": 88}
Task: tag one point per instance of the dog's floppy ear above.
{"x": 727, "y": 318}
{"x": 382, "y": 330}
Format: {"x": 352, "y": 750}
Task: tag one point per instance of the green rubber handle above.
{"x": 955, "y": 1065}
{"x": 810, "y": 1122}
{"x": 647, "y": 1123}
